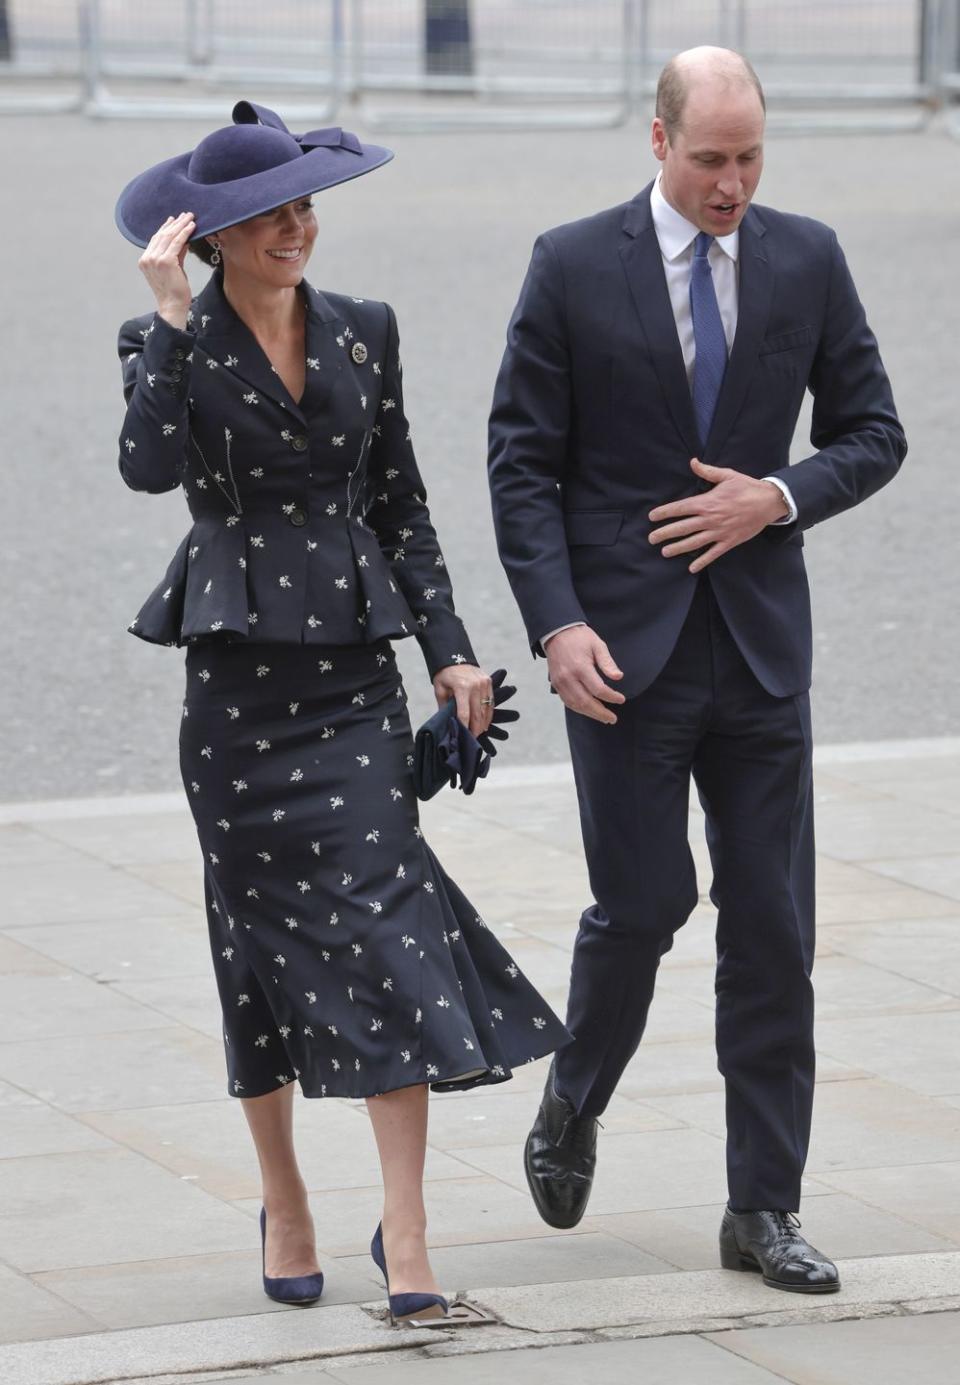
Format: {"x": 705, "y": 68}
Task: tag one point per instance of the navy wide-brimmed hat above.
{"x": 246, "y": 168}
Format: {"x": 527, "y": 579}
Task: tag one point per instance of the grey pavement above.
{"x": 444, "y": 233}
{"x": 129, "y": 1191}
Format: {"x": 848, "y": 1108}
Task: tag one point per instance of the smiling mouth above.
{"x": 285, "y": 254}
{"x": 725, "y": 208}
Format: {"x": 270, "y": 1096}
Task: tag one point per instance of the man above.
{"x": 652, "y": 531}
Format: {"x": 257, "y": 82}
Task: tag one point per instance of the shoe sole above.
{"x": 733, "y": 1260}
{"x": 546, "y": 1215}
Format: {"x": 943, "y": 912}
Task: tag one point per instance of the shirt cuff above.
{"x": 571, "y": 626}
{"x": 791, "y": 504}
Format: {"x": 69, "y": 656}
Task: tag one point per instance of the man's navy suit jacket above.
{"x": 593, "y": 425}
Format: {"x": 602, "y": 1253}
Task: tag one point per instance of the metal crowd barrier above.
{"x": 439, "y": 64}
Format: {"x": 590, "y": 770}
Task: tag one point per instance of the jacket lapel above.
{"x": 754, "y": 297}
{"x": 643, "y": 266}
{"x": 225, "y": 339}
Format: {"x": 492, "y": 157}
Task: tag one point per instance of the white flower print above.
{"x": 282, "y": 1078}
{"x": 407, "y": 940}
{"x": 256, "y": 541}
{"x": 237, "y": 1085}
{"x": 468, "y": 1044}
{"x": 340, "y": 583}
{"x": 315, "y": 848}
{"x": 251, "y": 398}
{"x": 265, "y": 856}
{"x": 214, "y": 858}
{"x": 362, "y": 760}
{"x": 129, "y": 444}
{"x": 243, "y": 999}
{"x": 428, "y": 886}
{"x": 332, "y": 508}
{"x": 433, "y": 1070}
{"x": 169, "y": 429}
{"x": 347, "y": 880}
{"x": 418, "y": 1017}
{"x": 513, "y": 971}
{"x": 207, "y": 752}
{"x": 233, "y": 713}
{"x": 325, "y": 955}
{"x": 335, "y": 1064}
{"x": 279, "y": 814}
{"x": 376, "y": 906}
{"x": 211, "y": 363}
{"x": 204, "y": 675}
{"x": 253, "y": 892}
{"x": 539, "y": 1023}
{"x": 222, "y": 822}
{"x": 396, "y": 794}
{"x": 257, "y": 474}
{"x": 401, "y": 872}
{"x": 239, "y": 785}
{"x": 429, "y": 593}
{"x": 334, "y": 919}
{"x": 458, "y": 658}
{"x": 303, "y": 886}
{"x": 405, "y": 1055}
{"x": 336, "y": 801}
{"x": 385, "y": 724}
{"x": 294, "y": 708}
{"x": 391, "y": 473}
{"x": 308, "y": 1031}
{"x": 228, "y": 953}
{"x": 325, "y": 666}
{"x": 280, "y": 960}
{"x": 339, "y": 440}
{"x": 497, "y": 1013}
{"x": 373, "y": 835}
{"x": 334, "y": 1030}
{"x": 311, "y": 997}
{"x": 313, "y": 362}
{"x": 263, "y": 744}
{"x": 444, "y": 1003}
{"x": 231, "y": 361}
{"x": 285, "y": 1031}
{"x": 375, "y": 1025}
{"x": 295, "y": 776}
{"x": 285, "y": 581}
{"x": 262, "y": 670}
{"x": 387, "y": 983}
{"x": 376, "y": 367}
{"x": 291, "y": 923}
{"x": 261, "y": 1041}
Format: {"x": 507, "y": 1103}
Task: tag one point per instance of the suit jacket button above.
{"x": 298, "y": 517}
{"x": 300, "y": 443}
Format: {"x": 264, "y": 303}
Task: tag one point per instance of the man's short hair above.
{"x": 673, "y": 87}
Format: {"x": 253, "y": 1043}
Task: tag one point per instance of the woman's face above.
{"x": 272, "y": 249}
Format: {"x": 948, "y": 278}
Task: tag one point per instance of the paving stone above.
{"x": 674, "y": 1298}
{"x": 50, "y": 1007}
{"x": 97, "y": 1072}
{"x": 209, "y": 1142}
{"x": 96, "y": 891}
{"x": 17, "y": 959}
{"x": 61, "y": 1211}
{"x": 872, "y": 827}
{"x": 194, "y": 1347}
{"x": 926, "y": 1194}
{"x": 37, "y": 1129}
{"x": 924, "y": 950}
{"x": 887, "y": 902}
{"x": 938, "y": 874}
{"x": 195, "y": 1287}
{"x": 842, "y": 1226}
{"x": 181, "y": 879}
{"x": 24, "y": 847}
{"x": 146, "y": 837}
{"x": 496, "y": 1115}
{"x": 881, "y": 1351}
{"x": 459, "y": 1211}
{"x": 918, "y": 1051}
{"x": 546, "y": 1259}
{"x": 117, "y": 950}
{"x": 619, "y": 1363}
{"x": 634, "y": 1171}
{"x": 30, "y": 1313}
{"x": 191, "y": 1001}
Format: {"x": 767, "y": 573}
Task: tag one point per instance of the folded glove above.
{"x": 444, "y": 749}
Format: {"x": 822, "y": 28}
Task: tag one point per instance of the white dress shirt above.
{"x": 675, "y": 236}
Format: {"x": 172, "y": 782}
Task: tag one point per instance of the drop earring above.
{"x": 216, "y": 257}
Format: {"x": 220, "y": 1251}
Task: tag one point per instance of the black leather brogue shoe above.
{"x": 560, "y": 1157}
{"x": 769, "y": 1243}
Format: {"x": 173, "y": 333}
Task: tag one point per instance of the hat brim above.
{"x": 165, "y": 190}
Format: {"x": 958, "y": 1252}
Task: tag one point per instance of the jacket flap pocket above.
{"x": 787, "y": 341}
{"x": 592, "y": 526}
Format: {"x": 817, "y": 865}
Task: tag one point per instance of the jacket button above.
{"x": 300, "y": 443}
{"x": 298, "y": 517}
{"x": 176, "y": 374}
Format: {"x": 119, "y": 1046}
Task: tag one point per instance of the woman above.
{"x": 345, "y": 957}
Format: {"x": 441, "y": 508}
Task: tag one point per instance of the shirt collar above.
{"x": 676, "y": 234}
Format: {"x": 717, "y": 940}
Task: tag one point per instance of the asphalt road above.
{"x": 444, "y": 234}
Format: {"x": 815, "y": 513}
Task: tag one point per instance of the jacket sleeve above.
{"x": 855, "y": 426}
{"x": 528, "y": 442}
{"x": 157, "y": 361}
{"x": 399, "y": 517}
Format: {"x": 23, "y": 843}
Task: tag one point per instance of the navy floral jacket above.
{"x": 310, "y": 522}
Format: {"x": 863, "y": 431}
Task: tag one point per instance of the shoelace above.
{"x": 788, "y": 1224}
{"x": 583, "y": 1135}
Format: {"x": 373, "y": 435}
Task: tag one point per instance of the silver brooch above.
{"x": 359, "y": 352}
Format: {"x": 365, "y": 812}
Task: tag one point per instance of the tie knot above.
{"x": 702, "y": 244}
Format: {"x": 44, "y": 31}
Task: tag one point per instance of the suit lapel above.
{"x": 643, "y": 266}
{"x": 225, "y": 339}
{"x": 754, "y": 297}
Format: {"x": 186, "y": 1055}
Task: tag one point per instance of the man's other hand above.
{"x": 579, "y": 661}
{"x": 737, "y": 509}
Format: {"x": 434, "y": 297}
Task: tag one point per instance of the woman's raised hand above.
{"x": 473, "y": 691}
{"x": 162, "y": 266}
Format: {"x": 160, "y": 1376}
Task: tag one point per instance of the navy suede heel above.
{"x": 301, "y": 1290}
{"x": 403, "y": 1306}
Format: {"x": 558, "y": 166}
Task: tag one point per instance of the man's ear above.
{"x": 658, "y": 138}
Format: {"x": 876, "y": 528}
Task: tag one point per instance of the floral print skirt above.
{"x": 345, "y": 957}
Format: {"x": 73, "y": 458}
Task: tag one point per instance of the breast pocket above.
{"x": 596, "y": 527}
{"x": 787, "y": 341}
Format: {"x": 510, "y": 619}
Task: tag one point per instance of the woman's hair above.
{"x": 202, "y": 249}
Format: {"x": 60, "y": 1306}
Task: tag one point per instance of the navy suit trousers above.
{"x": 749, "y": 753}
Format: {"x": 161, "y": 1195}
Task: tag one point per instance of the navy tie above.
{"x": 709, "y": 338}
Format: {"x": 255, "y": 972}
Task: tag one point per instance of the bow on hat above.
{"x": 249, "y": 113}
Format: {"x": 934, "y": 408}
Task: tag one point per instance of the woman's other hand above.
{"x": 473, "y": 691}
{"x": 162, "y": 266}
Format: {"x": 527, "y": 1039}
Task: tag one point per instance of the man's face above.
{"x": 712, "y": 165}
